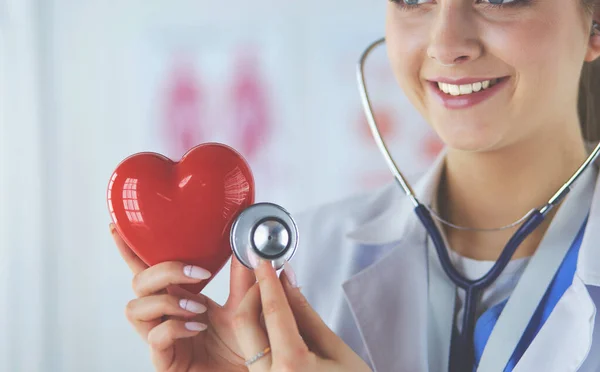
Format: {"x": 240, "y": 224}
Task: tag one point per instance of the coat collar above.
{"x": 393, "y": 222}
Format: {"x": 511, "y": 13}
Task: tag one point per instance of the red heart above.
{"x": 181, "y": 211}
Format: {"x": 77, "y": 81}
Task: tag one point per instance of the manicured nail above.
{"x": 112, "y": 227}
{"x": 196, "y": 272}
{"x": 290, "y": 274}
{"x": 195, "y": 326}
{"x": 192, "y": 306}
{"x": 253, "y": 258}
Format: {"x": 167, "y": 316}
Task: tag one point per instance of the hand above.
{"x": 186, "y": 332}
{"x": 298, "y": 338}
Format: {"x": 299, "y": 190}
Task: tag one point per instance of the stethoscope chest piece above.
{"x": 266, "y": 229}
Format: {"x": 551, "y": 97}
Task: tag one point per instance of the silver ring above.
{"x": 255, "y": 358}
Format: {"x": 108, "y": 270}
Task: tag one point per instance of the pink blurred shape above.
{"x": 251, "y": 109}
{"x": 183, "y": 109}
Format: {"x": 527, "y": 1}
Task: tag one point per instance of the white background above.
{"x": 81, "y": 84}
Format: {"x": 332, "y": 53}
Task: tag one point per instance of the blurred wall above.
{"x": 23, "y": 224}
{"x": 84, "y": 84}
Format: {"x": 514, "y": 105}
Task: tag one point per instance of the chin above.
{"x": 469, "y": 146}
{"x": 469, "y": 138}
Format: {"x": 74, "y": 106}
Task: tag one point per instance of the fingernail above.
{"x": 192, "y": 306}
{"x": 290, "y": 274}
{"x": 112, "y": 227}
{"x": 196, "y": 272}
{"x": 195, "y": 326}
{"x": 253, "y": 258}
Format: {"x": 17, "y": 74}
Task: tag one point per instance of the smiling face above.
{"x": 484, "y": 75}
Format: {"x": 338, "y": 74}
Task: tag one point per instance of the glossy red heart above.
{"x": 181, "y": 211}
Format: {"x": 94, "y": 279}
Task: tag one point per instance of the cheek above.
{"x": 520, "y": 49}
{"x": 406, "y": 50}
{"x": 524, "y": 47}
{"x": 543, "y": 54}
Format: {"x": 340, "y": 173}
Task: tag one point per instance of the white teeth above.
{"x": 466, "y": 89}
{"x": 457, "y": 90}
{"x": 444, "y": 87}
{"x": 454, "y": 89}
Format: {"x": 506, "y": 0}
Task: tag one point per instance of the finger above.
{"x": 241, "y": 280}
{"x": 162, "y": 337}
{"x": 160, "y": 276}
{"x": 147, "y": 312}
{"x": 282, "y": 330}
{"x": 251, "y": 337}
{"x": 133, "y": 261}
{"x": 315, "y": 332}
{"x": 154, "y": 307}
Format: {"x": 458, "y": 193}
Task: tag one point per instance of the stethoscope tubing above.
{"x": 532, "y": 222}
{"x": 366, "y": 101}
{"x": 474, "y": 288}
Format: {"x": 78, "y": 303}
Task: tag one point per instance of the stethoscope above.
{"x": 269, "y": 231}
{"x": 531, "y": 221}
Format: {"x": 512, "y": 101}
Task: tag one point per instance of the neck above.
{"x": 496, "y": 188}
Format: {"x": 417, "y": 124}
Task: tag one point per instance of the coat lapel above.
{"x": 564, "y": 341}
{"x": 570, "y": 338}
{"x": 575, "y": 316}
{"x": 389, "y": 303}
{"x": 388, "y": 299}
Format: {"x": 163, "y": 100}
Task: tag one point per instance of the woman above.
{"x": 364, "y": 263}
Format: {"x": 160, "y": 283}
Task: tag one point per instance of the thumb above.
{"x": 318, "y": 336}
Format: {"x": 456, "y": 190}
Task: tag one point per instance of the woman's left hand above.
{"x": 298, "y": 338}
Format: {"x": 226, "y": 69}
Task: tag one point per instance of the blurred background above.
{"x": 84, "y": 84}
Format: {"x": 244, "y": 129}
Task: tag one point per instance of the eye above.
{"x": 499, "y": 2}
{"x": 410, "y": 3}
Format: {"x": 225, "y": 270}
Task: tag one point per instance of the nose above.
{"x": 454, "y": 38}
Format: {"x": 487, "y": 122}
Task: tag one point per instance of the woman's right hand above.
{"x": 186, "y": 332}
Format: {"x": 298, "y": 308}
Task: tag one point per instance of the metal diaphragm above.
{"x": 266, "y": 229}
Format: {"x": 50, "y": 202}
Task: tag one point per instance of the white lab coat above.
{"x": 361, "y": 263}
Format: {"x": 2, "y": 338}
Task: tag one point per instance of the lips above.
{"x": 465, "y": 80}
{"x": 467, "y": 93}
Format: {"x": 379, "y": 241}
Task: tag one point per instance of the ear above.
{"x": 594, "y": 44}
